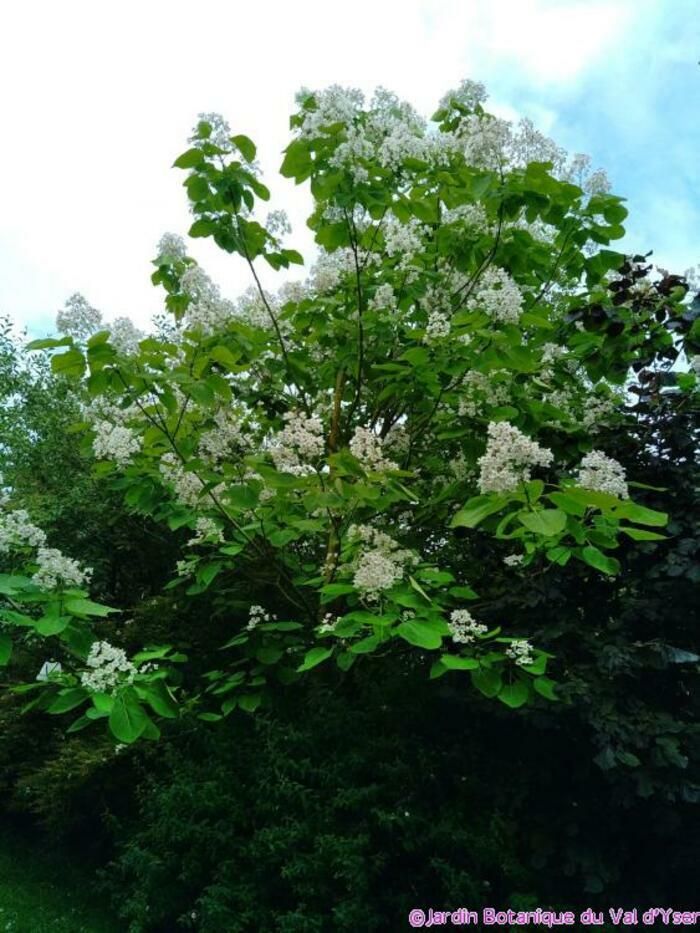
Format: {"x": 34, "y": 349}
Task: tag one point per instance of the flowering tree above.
{"x": 443, "y": 372}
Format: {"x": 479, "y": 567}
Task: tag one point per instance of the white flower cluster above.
{"x": 384, "y": 299}
{"x": 78, "y": 318}
{"x": 398, "y": 440}
{"x": 206, "y": 310}
{"x": 115, "y": 442}
{"x": 298, "y": 444}
{"x": 331, "y": 268}
{"x": 220, "y": 131}
{"x": 256, "y": 615}
{"x": 381, "y": 565}
{"x": 188, "y": 487}
{"x": 478, "y": 391}
{"x": 464, "y": 629}
{"x": 367, "y": 447}
{"x": 509, "y": 458}
{"x": 404, "y": 239}
{"x": 602, "y": 473}
{"x": 109, "y": 668}
{"x": 437, "y": 328}
{"x": 520, "y": 651}
{"x": 328, "y": 624}
{"x": 497, "y": 296}
{"x": 335, "y": 104}
{"x": 513, "y": 560}
{"x": 171, "y": 247}
{"x": 226, "y": 439}
{"x": 55, "y": 569}
{"x": 16, "y": 530}
{"x": 469, "y": 94}
{"x": 206, "y": 530}
{"x": 124, "y": 335}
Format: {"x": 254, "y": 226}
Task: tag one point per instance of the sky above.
{"x": 99, "y": 99}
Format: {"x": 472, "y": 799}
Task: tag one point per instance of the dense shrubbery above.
{"x": 461, "y": 329}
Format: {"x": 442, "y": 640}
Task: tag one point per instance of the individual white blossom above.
{"x": 55, "y": 569}
{"x": 109, "y": 668}
{"x": 513, "y": 560}
{"x": 602, "y": 473}
{"x": 78, "y": 318}
{"x": 464, "y": 629}
{"x": 48, "y": 668}
{"x": 295, "y": 448}
{"x": 16, "y": 530}
{"x": 498, "y": 296}
{"x": 367, "y": 446}
{"x": 115, "y": 442}
{"x": 509, "y": 458}
{"x": 520, "y": 651}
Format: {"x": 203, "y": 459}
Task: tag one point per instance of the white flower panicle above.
{"x": 187, "y": 486}
{"x": 207, "y": 531}
{"x": 220, "y": 131}
{"x": 115, "y": 442}
{"x": 78, "y": 318}
{"x": 509, "y": 458}
{"x": 298, "y": 444}
{"x": 497, "y": 296}
{"x": 437, "y": 328}
{"x": 207, "y": 310}
{"x": 366, "y": 446}
{"x": 381, "y": 564}
{"x": 109, "y": 668}
{"x": 171, "y": 247}
{"x": 520, "y": 651}
{"x": 55, "y": 569}
{"x": 124, "y": 335}
{"x": 226, "y": 439}
{"x": 602, "y": 474}
{"x": 256, "y": 615}
{"x": 464, "y": 629}
{"x": 328, "y": 624}
{"x": 16, "y": 530}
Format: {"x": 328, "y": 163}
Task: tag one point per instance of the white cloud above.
{"x": 104, "y": 95}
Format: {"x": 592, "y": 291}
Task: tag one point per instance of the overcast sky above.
{"x": 98, "y": 99}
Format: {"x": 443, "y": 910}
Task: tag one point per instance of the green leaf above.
{"x": 68, "y": 699}
{"x": 419, "y": 635}
{"x": 313, "y": 657}
{"x": 545, "y": 687}
{"x": 515, "y": 694}
{"x": 547, "y": 522}
{"x": 455, "y": 663}
{"x": 128, "y": 719}
{"x": 476, "y": 510}
{"x": 641, "y": 534}
{"x": 641, "y": 515}
{"x": 595, "y": 558}
{"x": 245, "y": 146}
{"x": 70, "y": 364}
{"x": 189, "y": 159}
{"x": 50, "y": 343}
{"x": 487, "y": 681}
{"x": 86, "y": 607}
{"x": 5, "y": 648}
{"x": 249, "y": 702}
